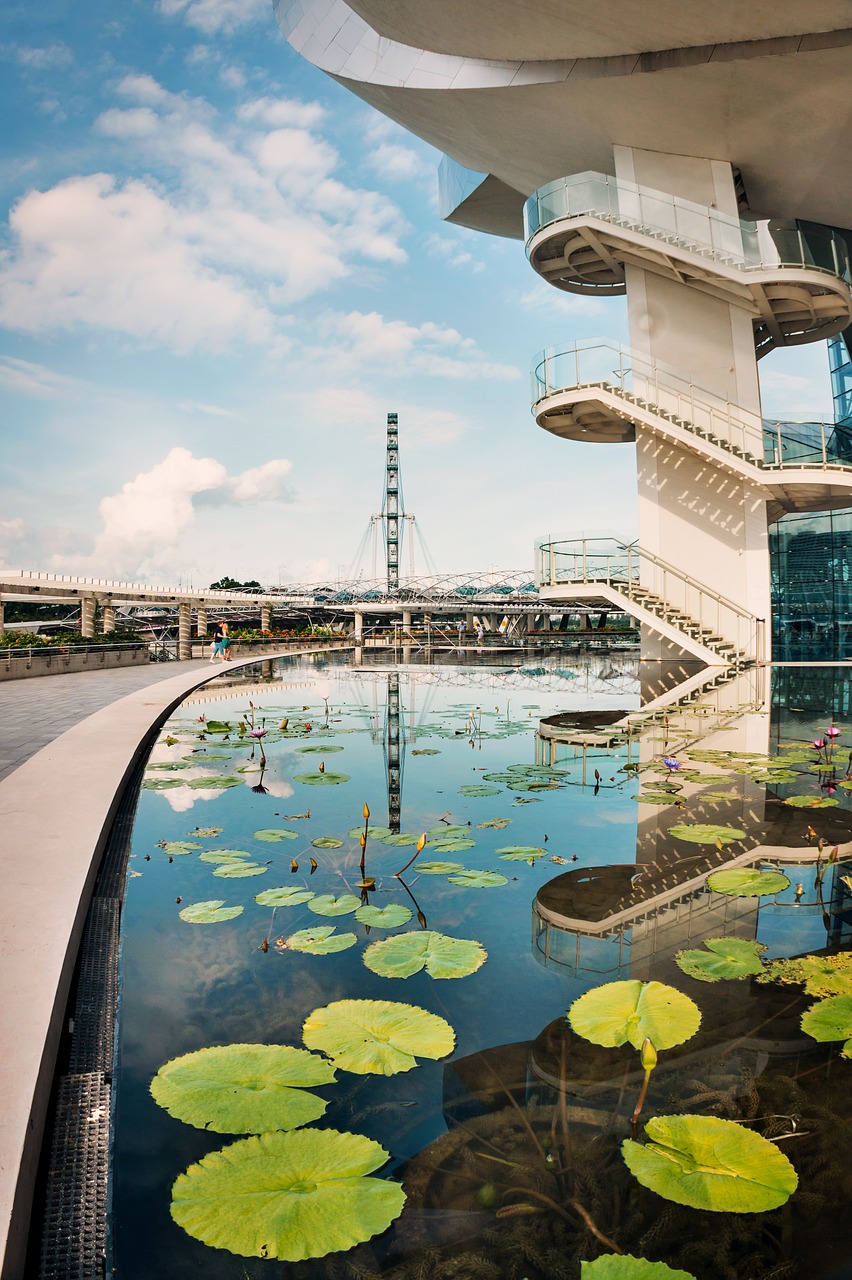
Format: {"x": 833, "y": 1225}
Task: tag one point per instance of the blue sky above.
{"x": 218, "y": 272}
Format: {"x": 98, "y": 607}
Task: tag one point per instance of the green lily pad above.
{"x": 831, "y": 1019}
{"x": 174, "y": 848}
{"x": 614, "y": 1266}
{"x": 533, "y": 785}
{"x": 438, "y": 868}
{"x": 292, "y": 895}
{"x": 325, "y": 779}
{"x": 656, "y": 797}
{"x": 706, "y": 833}
{"x": 478, "y": 879}
{"x": 216, "y": 726}
{"x": 377, "y": 1037}
{"x": 224, "y": 855}
{"x": 210, "y": 912}
{"x": 290, "y": 1196}
{"x": 440, "y": 955}
{"x": 389, "y": 917}
{"x": 479, "y": 790}
{"x": 709, "y": 1163}
{"x": 170, "y": 766}
{"x": 455, "y": 845}
{"x": 207, "y": 833}
{"x": 243, "y": 1088}
{"x": 326, "y": 842}
{"x": 326, "y": 749}
{"x": 400, "y": 840}
{"x": 811, "y": 802}
{"x": 497, "y": 823}
{"x": 820, "y": 975}
{"x": 237, "y": 869}
{"x": 772, "y": 777}
{"x": 162, "y": 784}
{"x": 633, "y": 1011}
{"x": 747, "y": 882}
{"x": 719, "y": 795}
{"x": 325, "y": 904}
{"x": 449, "y": 832}
{"x": 214, "y": 784}
{"x": 521, "y": 852}
{"x": 378, "y": 833}
{"x": 271, "y": 834}
{"x": 426, "y": 751}
{"x": 322, "y": 940}
{"x": 724, "y": 958}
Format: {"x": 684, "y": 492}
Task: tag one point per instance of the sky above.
{"x": 219, "y": 271}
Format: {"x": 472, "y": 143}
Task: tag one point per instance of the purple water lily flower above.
{"x": 671, "y": 763}
{"x": 258, "y": 733}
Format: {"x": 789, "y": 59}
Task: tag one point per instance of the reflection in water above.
{"x": 509, "y": 1150}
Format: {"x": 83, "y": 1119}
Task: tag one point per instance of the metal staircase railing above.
{"x": 671, "y": 595}
{"x": 701, "y": 411}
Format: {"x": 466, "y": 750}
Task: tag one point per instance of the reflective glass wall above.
{"x": 811, "y": 562}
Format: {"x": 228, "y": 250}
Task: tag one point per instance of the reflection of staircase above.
{"x": 673, "y": 603}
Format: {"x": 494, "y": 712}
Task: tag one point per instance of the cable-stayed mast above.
{"x": 392, "y": 507}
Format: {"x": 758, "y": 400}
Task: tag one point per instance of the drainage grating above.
{"x": 97, "y": 990}
{"x": 74, "y": 1228}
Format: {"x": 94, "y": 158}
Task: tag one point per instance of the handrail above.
{"x": 628, "y": 566}
{"x": 736, "y": 242}
{"x": 65, "y": 650}
{"x": 769, "y": 443}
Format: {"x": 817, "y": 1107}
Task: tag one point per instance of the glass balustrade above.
{"x": 598, "y": 362}
{"x": 733, "y": 241}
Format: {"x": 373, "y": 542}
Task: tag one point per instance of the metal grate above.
{"x": 97, "y": 990}
{"x": 74, "y": 1227}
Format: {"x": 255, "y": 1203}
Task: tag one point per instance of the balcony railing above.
{"x": 597, "y": 362}
{"x": 734, "y": 242}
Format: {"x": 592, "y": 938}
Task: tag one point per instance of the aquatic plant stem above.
{"x": 578, "y": 1209}
{"x": 421, "y": 843}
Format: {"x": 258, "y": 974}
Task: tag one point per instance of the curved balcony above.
{"x": 583, "y": 232}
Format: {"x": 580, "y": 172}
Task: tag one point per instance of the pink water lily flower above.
{"x": 818, "y": 743}
{"x": 833, "y": 732}
{"x": 258, "y": 733}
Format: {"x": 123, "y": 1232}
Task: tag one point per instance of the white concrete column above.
{"x": 696, "y": 517}
{"x": 359, "y": 627}
{"x": 87, "y": 617}
{"x": 2, "y": 624}
{"x": 406, "y": 619}
{"x": 109, "y": 618}
{"x": 201, "y": 621}
{"x": 266, "y": 617}
{"x": 184, "y": 632}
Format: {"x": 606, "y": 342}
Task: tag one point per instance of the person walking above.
{"x": 218, "y": 637}
{"x": 226, "y": 643}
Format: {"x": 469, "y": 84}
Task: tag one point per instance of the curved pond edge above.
{"x": 56, "y": 813}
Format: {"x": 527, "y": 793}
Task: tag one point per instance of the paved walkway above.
{"x": 34, "y": 712}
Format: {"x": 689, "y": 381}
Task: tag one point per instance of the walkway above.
{"x": 34, "y": 712}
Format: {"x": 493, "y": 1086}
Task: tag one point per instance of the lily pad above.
{"x": 325, "y": 779}
{"x": 207, "y": 833}
{"x": 224, "y": 855}
{"x": 747, "y": 882}
{"x": 174, "y": 848}
{"x": 401, "y": 839}
{"x": 290, "y": 1196}
{"x": 238, "y": 869}
{"x": 325, "y": 904}
{"x": 706, "y": 833}
{"x": 521, "y": 852}
{"x": 288, "y": 896}
{"x": 378, "y": 833}
{"x": 724, "y": 958}
{"x": 811, "y": 802}
{"x": 438, "y": 868}
{"x": 162, "y": 784}
{"x": 455, "y": 845}
{"x": 216, "y": 726}
{"x": 325, "y": 749}
{"x": 655, "y": 797}
{"x": 831, "y": 1019}
{"x": 478, "y": 879}
{"x": 614, "y": 1266}
{"x": 820, "y": 975}
{"x": 271, "y": 834}
{"x": 326, "y": 842}
{"x": 210, "y": 912}
{"x": 322, "y": 940}
{"x": 633, "y": 1011}
{"x": 214, "y": 784}
{"x": 389, "y": 917}
{"x": 479, "y": 790}
{"x": 243, "y": 1088}
{"x": 719, "y": 795}
{"x": 377, "y": 1037}
{"x": 426, "y": 751}
{"x": 709, "y": 1163}
{"x": 440, "y": 955}
{"x": 449, "y": 832}
{"x": 497, "y": 823}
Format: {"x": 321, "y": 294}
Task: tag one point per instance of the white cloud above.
{"x": 211, "y": 16}
{"x": 424, "y": 427}
{"x": 214, "y": 410}
{"x": 50, "y": 57}
{"x": 27, "y": 378}
{"x": 451, "y": 252}
{"x": 543, "y": 297}
{"x": 404, "y": 348}
{"x": 146, "y": 524}
{"x": 247, "y": 219}
{"x": 12, "y": 528}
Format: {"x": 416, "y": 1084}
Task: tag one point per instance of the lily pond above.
{"x": 485, "y": 973}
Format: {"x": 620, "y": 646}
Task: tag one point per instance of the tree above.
{"x": 231, "y": 584}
